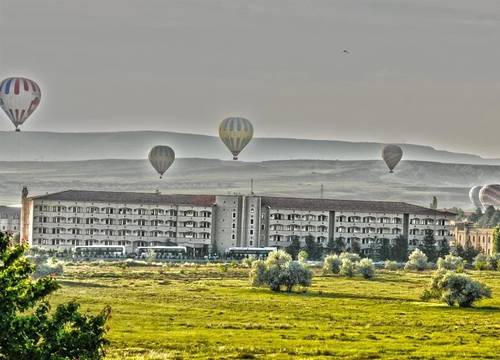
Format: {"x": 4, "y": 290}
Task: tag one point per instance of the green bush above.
{"x": 391, "y": 265}
{"x": 453, "y": 288}
{"x": 366, "y": 268}
{"x": 416, "y": 261}
{"x": 332, "y": 264}
{"x": 280, "y": 271}
{"x": 302, "y": 256}
{"x": 481, "y": 262}
{"x": 347, "y": 268}
{"x": 451, "y": 262}
{"x": 351, "y": 256}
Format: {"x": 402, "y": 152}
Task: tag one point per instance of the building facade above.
{"x": 480, "y": 238}
{"x": 9, "y": 219}
{"x": 215, "y": 223}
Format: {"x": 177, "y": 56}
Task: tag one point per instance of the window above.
{"x": 251, "y": 232}
{"x": 233, "y": 236}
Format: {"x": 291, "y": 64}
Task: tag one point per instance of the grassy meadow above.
{"x": 212, "y": 312}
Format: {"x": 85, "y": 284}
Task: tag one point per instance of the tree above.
{"x": 384, "y": 252}
{"x": 355, "y": 247}
{"x": 313, "y": 248}
{"x": 335, "y": 246}
{"x": 451, "y": 262}
{"x": 496, "y": 240}
{"x": 28, "y": 329}
{"x": 478, "y": 214}
{"x": 453, "y": 288}
{"x": 444, "y": 248}
{"x": 399, "y": 251}
{"x": 429, "y": 246}
{"x": 294, "y": 248}
{"x": 470, "y": 252}
{"x": 434, "y": 203}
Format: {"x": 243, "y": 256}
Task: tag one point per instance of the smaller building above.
{"x": 9, "y": 219}
{"x": 480, "y": 238}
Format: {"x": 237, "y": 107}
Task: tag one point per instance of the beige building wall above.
{"x": 480, "y": 238}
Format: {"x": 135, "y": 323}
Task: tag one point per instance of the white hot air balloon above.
{"x": 161, "y": 158}
{"x": 490, "y": 195}
{"x": 474, "y": 196}
{"x": 19, "y": 97}
{"x": 236, "y": 133}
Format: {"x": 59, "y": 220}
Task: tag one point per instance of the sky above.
{"x": 425, "y": 72}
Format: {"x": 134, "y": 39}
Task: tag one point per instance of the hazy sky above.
{"x": 417, "y": 71}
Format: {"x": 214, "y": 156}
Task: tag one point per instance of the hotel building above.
{"x": 210, "y": 223}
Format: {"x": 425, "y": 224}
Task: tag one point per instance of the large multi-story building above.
{"x": 9, "y": 219}
{"x": 218, "y": 222}
{"x": 480, "y": 238}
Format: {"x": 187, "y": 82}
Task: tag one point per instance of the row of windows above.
{"x": 290, "y": 238}
{"x": 77, "y": 242}
{"x": 295, "y": 227}
{"x": 121, "y": 211}
{"x": 298, "y": 217}
{"x": 367, "y": 230}
{"x": 369, "y": 219}
{"x": 109, "y": 232}
{"x": 110, "y": 221}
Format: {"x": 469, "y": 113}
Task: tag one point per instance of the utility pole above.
{"x": 251, "y": 187}
{"x": 321, "y": 191}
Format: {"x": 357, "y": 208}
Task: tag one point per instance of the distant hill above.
{"x": 50, "y": 146}
{"x": 413, "y": 181}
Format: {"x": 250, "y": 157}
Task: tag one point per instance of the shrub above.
{"x": 391, "y": 265}
{"x": 451, "y": 262}
{"x": 279, "y": 270}
{"x": 481, "y": 262}
{"x": 351, "y": 256}
{"x": 49, "y": 267}
{"x": 302, "y": 256}
{"x": 453, "y": 288}
{"x": 366, "y": 268}
{"x": 416, "y": 261}
{"x": 494, "y": 261}
{"x": 348, "y": 268}
{"x": 247, "y": 262}
{"x": 332, "y": 264}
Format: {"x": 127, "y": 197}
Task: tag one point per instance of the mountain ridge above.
{"x": 67, "y": 146}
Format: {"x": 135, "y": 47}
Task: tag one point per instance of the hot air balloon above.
{"x": 490, "y": 195}
{"x": 236, "y": 133}
{"x": 392, "y": 154}
{"x": 161, "y": 158}
{"x": 474, "y": 196}
{"x": 19, "y": 97}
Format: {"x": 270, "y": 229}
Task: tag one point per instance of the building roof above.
{"x": 350, "y": 205}
{"x": 129, "y": 198}
{"x": 273, "y": 202}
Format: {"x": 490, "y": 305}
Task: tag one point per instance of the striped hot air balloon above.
{"x": 474, "y": 196}
{"x": 161, "y": 158}
{"x": 236, "y": 133}
{"x": 392, "y": 155}
{"x": 19, "y": 97}
{"x": 490, "y": 195}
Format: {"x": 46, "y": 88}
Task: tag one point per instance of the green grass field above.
{"x": 204, "y": 312}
